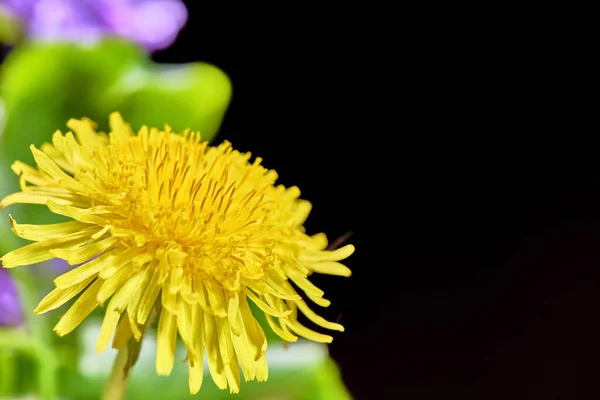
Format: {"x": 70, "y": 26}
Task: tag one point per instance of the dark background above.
{"x": 459, "y": 166}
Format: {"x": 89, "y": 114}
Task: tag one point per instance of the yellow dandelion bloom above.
{"x": 162, "y": 218}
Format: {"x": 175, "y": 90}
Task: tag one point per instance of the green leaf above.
{"x": 191, "y": 96}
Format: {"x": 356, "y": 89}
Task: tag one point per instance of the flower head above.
{"x": 154, "y": 24}
{"x": 198, "y": 230}
{"x": 11, "y": 313}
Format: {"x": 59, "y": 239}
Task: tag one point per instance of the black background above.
{"x": 457, "y": 161}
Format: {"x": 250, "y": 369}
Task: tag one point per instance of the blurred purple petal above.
{"x": 147, "y": 23}
{"x": 59, "y": 266}
{"x": 154, "y": 24}
{"x": 11, "y": 313}
{"x": 20, "y": 8}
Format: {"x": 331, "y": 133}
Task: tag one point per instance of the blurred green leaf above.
{"x": 191, "y": 96}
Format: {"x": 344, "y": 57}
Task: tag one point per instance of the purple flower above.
{"x": 154, "y": 24}
{"x": 11, "y": 313}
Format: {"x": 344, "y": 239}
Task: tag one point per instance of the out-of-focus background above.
{"x": 449, "y": 149}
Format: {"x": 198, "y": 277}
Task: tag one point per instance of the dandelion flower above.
{"x": 162, "y": 221}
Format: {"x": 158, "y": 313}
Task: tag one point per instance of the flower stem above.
{"x": 126, "y": 358}
{"x": 117, "y": 383}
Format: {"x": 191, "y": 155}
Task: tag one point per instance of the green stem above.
{"x": 117, "y": 383}
{"x": 126, "y": 358}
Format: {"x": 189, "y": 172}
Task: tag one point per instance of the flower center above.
{"x": 208, "y": 210}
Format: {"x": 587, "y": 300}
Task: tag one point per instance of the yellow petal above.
{"x": 246, "y": 350}
{"x": 197, "y": 328}
{"x": 104, "y": 230}
{"x": 119, "y": 261}
{"x": 123, "y": 333}
{"x": 262, "y": 369}
{"x": 83, "y": 306}
{"x": 22, "y": 198}
{"x": 30, "y": 174}
{"x": 93, "y": 215}
{"x": 317, "y": 319}
{"x": 59, "y": 158}
{"x": 70, "y": 149}
{"x": 255, "y": 333}
{"x": 335, "y": 255}
{"x": 201, "y": 295}
{"x": 166, "y": 342}
{"x": 114, "y": 310}
{"x": 184, "y": 326}
{"x": 233, "y": 309}
{"x": 196, "y": 373}
{"x": 319, "y": 241}
{"x": 264, "y": 306}
{"x": 232, "y": 372}
{"x": 303, "y": 331}
{"x": 120, "y": 131}
{"x": 170, "y": 300}
{"x": 188, "y": 292}
{"x": 44, "y": 232}
{"x": 133, "y": 306}
{"x": 112, "y": 284}
{"x": 149, "y": 298}
{"x": 196, "y": 364}
{"x": 216, "y": 299}
{"x": 284, "y": 334}
{"x": 142, "y": 259}
{"x": 279, "y": 289}
{"x": 40, "y": 251}
{"x": 81, "y": 254}
{"x": 330, "y": 268}
{"x": 60, "y": 296}
{"x": 317, "y": 300}
{"x": 301, "y": 212}
{"x": 48, "y": 166}
{"x": 87, "y": 137}
{"x": 43, "y": 197}
{"x": 224, "y": 340}
{"x": 215, "y": 364}
{"x": 175, "y": 280}
{"x": 82, "y": 272}
{"x": 303, "y": 283}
